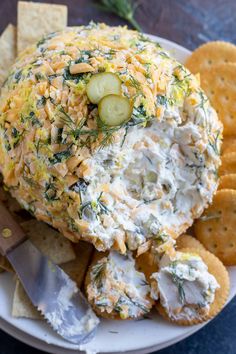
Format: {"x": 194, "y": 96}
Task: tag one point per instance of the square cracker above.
{"x": 35, "y": 20}
{"x": 8, "y": 51}
{"x": 22, "y": 306}
{"x": 49, "y": 241}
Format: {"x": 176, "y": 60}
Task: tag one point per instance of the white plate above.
{"x": 137, "y": 337}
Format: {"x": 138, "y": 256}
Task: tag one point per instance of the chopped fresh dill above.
{"x": 214, "y": 144}
{"x": 134, "y": 82}
{"x": 50, "y": 192}
{"x": 93, "y": 208}
{"x": 80, "y": 187}
{"x": 179, "y": 283}
{"x": 41, "y": 102}
{"x": 60, "y": 156}
{"x": 161, "y": 100}
{"x": 98, "y": 272}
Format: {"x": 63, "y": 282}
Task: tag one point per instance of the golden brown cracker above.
{"x": 96, "y": 257}
{"x": 147, "y": 264}
{"x": 228, "y": 165}
{"x": 8, "y": 51}
{"x": 216, "y": 229}
{"x": 22, "y": 306}
{"x": 228, "y": 145}
{"x": 210, "y": 54}
{"x": 35, "y": 20}
{"x": 227, "y": 182}
{"x": 218, "y": 270}
{"x": 49, "y": 241}
{"x": 77, "y": 268}
{"x": 187, "y": 241}
{"x": 218, "y": 83}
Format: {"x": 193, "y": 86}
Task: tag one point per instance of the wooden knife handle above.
{"x": 11, "y": 234}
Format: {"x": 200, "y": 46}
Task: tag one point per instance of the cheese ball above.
{"x": 115, "y": 182}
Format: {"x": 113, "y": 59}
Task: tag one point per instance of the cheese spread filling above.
{"x": 185, "y": 287}
{"x": 116, "y": 286}
{"x": 120, "y": 186}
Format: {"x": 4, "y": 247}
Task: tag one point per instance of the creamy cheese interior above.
{"x": 185, "y": 287}
{"x": 116, "y": 187}
{"x": 116, "y": 286}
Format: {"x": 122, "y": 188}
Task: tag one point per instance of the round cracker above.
{"x": 96, "y": 257}
{"x": 187, "y": 241}
{"x": 104, "y": 314}
{"x": 216, "y": 229}
{"x": 228, "y": 182}
{"x": 228, "y": 165}
{"x": 228, "y": 145}
{"x": 218, "y": 83}
{"x": 216, "y": 268}
{"x": 210, "y": 54}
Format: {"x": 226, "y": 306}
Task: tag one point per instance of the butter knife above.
{"x": 49, "y": 288}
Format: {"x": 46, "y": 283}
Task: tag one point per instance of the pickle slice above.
{"x": 101, "y": 85}
{"x": 114, "y": 110}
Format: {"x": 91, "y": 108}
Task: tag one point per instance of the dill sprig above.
{"x": 123, "y": 8}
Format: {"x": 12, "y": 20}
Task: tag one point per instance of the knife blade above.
{"x": 50, "y": 289}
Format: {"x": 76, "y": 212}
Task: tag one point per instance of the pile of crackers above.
{"x": 215, "y": 62}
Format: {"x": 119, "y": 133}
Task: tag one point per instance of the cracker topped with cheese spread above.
{"x": 107, "y": 138}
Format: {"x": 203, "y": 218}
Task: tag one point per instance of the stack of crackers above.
{"x": 215, "y": 62}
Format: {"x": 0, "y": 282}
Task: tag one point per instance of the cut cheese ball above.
{"x": 140, "y": 168}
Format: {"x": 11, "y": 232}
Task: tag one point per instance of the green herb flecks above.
{"x": 179, "y": 282}
{"x": 161, "y": 238}
{"x": 97, "y": 273}
{"x": 50, "y": 192}
{"x": 126, "y": 300}
{"x": 18, "y": 76}
{"x": 134, "y": 83}
{"x": 88, "y": 136}
{"x": 60, "y": 156}
{"x": 201, "y": 105}
{"x": 65, "y": 118}
{"x": 80, "y": 187}
{"x": 93, "y": 208}
{"x": 72, "y": 77}
{"x": 32, "y": 118}
{"x": 45, "y": 38}
{"x": 214, "y": 144}
{"x": 123, "y": 8}
{"x": 85, "y": 55}
{"x": 41, "y": 102}
{"x": 16, "y": 135}
{"x": 161, "y": 100}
